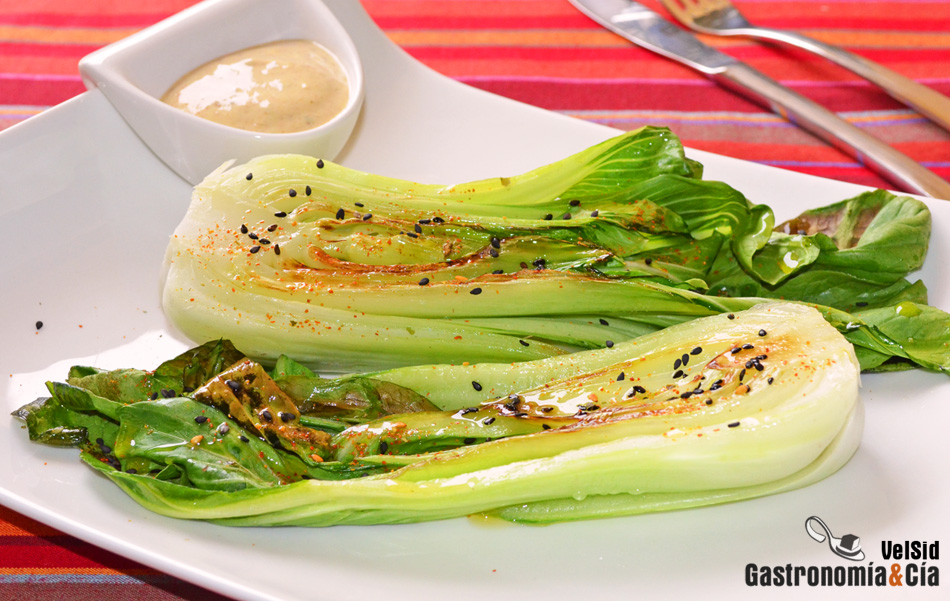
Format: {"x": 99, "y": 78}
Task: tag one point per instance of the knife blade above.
{"x": 647, "y": 29}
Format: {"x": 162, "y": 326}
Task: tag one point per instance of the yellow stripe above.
{"x": 18, "y": 112}
{"x": 49, "y": 35}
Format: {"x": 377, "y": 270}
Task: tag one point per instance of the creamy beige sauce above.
{"x": 281, "y": 87}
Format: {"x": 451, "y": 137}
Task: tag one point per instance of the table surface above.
{"x": 544, "y": 53}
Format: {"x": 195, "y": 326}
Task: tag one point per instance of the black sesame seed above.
{"x": 758, "y": 366}
{"x": 476, "y": 386}
{"x": 468, "y": 410}
{"x": 621, "y": 376}
{"x": 496, "y": 243}
{"x": 340, "y": 214}
{"x": 498, "y": 272}
{"x": 39, "y": 325}
{"x": 741, "y": 375}
{"x": 468, "y": 441}
{"x": 762, "y": 332}
{"x": 153, "y": 396}
{"x": 243, "y": 438}
{"x": 292, "y": 193}
{"x": 425, "y": 221}
{"x": 286, "y": 416}
{"x": 359, "y": 204}
{"x": 648, "y": 261}
{"x": 686, "y": 394}
{"x": 367, "y": 216}
{"x": 264, "y": 241}
{"x": 187, "y": 389}
{"x": 524, "y": 265}
{"x": 417, "y": 228}
{"x": 594, "y": 213}
{"x": 861, "y": 304}
{"x": 678, "y": 374}
{"x": 548, "y": 217}
{"x": 696, "y": 350}
{"x": 640, "y": 389}
{"x": 249, "y": 176}
{"x": 266, "y": 415}
{"x": 254, "y": 249}
{"x": 168, "y": 393}
{"x": 547, "y": 409}
{"x": 319, "y": 163}
{"x": 493, "y": 253}
{"x": 272, "y": 227}
{"x": 475, "y": 291}
{"x": 716, "y": 385}
{"x": 677, "y": 363}
{"x": 731, "y": 316}
{"x": 280, "y": 214}
{"x": 411, "y": 235}
{"x": 545, "y": 427}
{"x": 685, "y": 359}
{"x": 307, "y": 190}
{"x": 747, "y": 346}
{"x": 243, "y": 229}
{"x": 524, "y": 343}
{"x": 574, "y": 202}
{"x": 253, "y": 236}
{"x": 277, "y": 249}
{"x": 539, "y": 262}
{"x": 749, "y": 364}
{"x": 735, "y": 350}
{"x": 438, "y": 220}
{"x": 488, "y": 421}
{"x": 200, "y": 419}
{"x": 604, "y": 322}
{"x": 609, "y": 343}
{"x": 709, "y": 401}
{"x": 770, "y": 380}
{"x": 424, "y": 282}
{"x": 234, "y": 385}
{"x": 734, "y": 424}
{"x": 566, "y": 216}
{"x": 383, "y": 447}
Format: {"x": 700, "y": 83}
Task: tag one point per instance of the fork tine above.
{"x": 689, "y": 10}
{"x": 684, "y": 10}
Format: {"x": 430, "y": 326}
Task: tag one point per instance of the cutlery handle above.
{"x": 927, "y": 101}
{"x": 891, "y": 164}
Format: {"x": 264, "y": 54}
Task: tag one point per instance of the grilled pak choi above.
{"x": 348, "y": 271}
{"x": 717, "y": 409}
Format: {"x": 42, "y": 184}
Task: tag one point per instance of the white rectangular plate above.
{"x": 87, "y": 210}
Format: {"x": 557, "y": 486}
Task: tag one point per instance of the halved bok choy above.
{"x": 717, "y": 409}
{"x": 348, "y": 271}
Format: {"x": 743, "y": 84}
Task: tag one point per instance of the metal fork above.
{"x": 720, "y": 17}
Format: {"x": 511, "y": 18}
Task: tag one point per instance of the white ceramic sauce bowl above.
{"x": 135, "y": 72}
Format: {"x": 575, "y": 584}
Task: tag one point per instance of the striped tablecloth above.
{"x": 541, "y": 52}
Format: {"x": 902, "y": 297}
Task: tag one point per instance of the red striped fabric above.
{"x": 542, "y": 52}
